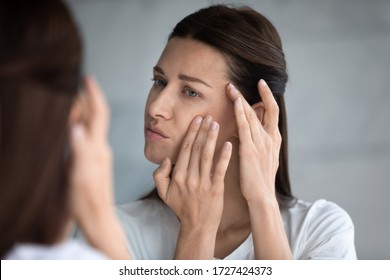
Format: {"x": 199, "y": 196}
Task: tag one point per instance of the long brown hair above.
{"x": 40, "y": 70}
{"x": 253, "y": 50}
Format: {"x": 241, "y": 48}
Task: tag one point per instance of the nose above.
{"x": 160, "y": 103}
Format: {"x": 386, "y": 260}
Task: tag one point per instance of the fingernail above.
{"x": 198, "y": 119}
{"x": 77, "y": 132}
{"x": 263, "y": 83}
{"x": 233, "y": 89}
{"x": 207, "y": 119}
{"x": 164, "y": 162}
{"x": 214, "y": 125}
{"x": 227, "y": 146}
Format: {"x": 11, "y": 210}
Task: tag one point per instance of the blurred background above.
{"x": 338, "y": 99}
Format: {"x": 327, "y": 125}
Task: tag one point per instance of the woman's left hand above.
{"x": 260, "y": 142}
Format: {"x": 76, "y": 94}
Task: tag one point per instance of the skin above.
{"x": 174, "y": 100}
{"x": 216, "y": 214}
{"x": 91, "y": 198}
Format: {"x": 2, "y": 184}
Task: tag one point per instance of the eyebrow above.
{"x": 183, "y": 77}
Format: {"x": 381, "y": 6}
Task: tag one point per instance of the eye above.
{"x": 159, "y": 82}
{"x": 191, "y": 93}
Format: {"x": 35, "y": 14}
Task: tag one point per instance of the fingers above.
{"x": 186, "y": 147}
{"x": 161, "y": 178}
{"x": 222, "y": 164}
{"x": 246, "y": 118}
{"x": 197, "y": 152}
{"x": 266, "y": 111}
{"x": 197, "y": 155}
{"x": 271, "y": 115}
{"x": 99, "y": 112}
{"x": 207, "y": 156}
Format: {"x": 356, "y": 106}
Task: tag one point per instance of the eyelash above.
{"x": 158, "y": 82}
{"x": 188, "y": 92}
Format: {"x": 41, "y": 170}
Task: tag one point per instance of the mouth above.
{"x": 153, "y": 133}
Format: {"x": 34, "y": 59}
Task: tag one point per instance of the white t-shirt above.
{"x": 67, "y": 250}
{"x": 319, "y": 230}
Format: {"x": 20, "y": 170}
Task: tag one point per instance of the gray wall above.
{"x": 338, "y": 55}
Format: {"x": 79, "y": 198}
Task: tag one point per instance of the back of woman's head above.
{"x": 40, "y": 67}
{"x": 253, "y": 51}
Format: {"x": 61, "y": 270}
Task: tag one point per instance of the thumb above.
{"x": 162, "y": 179}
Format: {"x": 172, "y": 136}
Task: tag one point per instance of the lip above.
{"x": 154, "y": 133}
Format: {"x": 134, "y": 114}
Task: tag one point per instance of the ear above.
{"x": 260, "y": 110}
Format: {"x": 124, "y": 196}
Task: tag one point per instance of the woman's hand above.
{"x": 91, "y": 157}
{"x": 194, "y": 190}
{"x": 260, "y": 142}
{"x": 91, "y": 198}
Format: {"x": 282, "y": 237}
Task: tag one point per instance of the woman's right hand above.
{"x": 91, "y": 157}
{"x": 194, "y": 190}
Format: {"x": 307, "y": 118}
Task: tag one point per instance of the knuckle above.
{"x": 191, "y": 182}
{"x": 197, "y": 147}
{"x": 218, "y": 175}
{"x": 178, "y": 178}
{"x": 244, "y": 126}
{"x": 186, "y": 146}
{"x": 279, "y": 137}
{"x": 275, "y": 109}
{"x": 205, "y": 157}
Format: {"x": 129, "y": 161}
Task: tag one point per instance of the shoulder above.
{"x": 319, "y": 230}
{"x": 146, "y": 210}
{"x": 68, "y": 250}
{"x": 319, "y": 213}
{"x": 151, "y": 228}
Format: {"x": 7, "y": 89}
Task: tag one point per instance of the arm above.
{"x": 193, "y": 192}
{"x": 91, "y": 199}
{"x": 260, "y": 142}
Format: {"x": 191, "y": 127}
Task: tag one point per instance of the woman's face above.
{"x": 189, "y": 80}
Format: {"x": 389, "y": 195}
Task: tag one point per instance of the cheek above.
{"x": 148, "y": 101}
{"x": 227, "y": 122}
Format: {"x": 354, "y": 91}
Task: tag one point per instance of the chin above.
{"x": 154, "y": 157}
{"x": 157, "y": 157}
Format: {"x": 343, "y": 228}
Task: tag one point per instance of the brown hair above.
{"x": 40, "y": 70}
{"x": 253, "y": 51}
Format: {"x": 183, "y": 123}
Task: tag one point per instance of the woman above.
{"x": 55, "y": 161}
{"x": 252, "y": 213}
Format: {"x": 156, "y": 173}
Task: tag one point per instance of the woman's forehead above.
{"x": 193, "y": 57}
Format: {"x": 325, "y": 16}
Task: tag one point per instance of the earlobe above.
{"x": 259, "y": 110}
